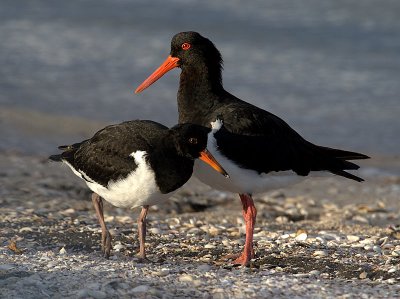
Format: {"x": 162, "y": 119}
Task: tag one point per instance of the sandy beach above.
{"x": 323, "y": 238}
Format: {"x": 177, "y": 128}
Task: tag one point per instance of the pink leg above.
{"x": 105, "y": 234}
{"x": 142, "y": 231}
{"x": 249, "y": 215}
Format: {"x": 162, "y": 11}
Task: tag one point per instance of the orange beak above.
{"x": 210, "y": 160}
{"x": 169, "y": 64}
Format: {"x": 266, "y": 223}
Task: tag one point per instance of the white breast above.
{"x": 137, "y": 189}
{"x": 240, "y": 180}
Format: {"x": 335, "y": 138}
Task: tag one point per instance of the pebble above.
{"x": 185, "y": 278}
{"x": 97, "y": 294}
{"x": 62, "y": 251}
{"x": 320, "y": 253}
{"x": 204, "y": 268}
{"x": 387, "y": 246}
{"x": 281, "y": 219}
{"x": 226, "y": 242}
{"x": 68, "y": 211}
{"x": 214, "y": 231}
{"x": 301, "y": 237}
{"x": 84, "y": 293}
{"x": 163, "y": 272}
{"x": 368, "y": 247}
{"x": 301, "y": 275}
{"x": 368, "y": 241}
{"x": 330, "y": 236}
{"x": 377, "y": 249}
{"x": 194, "y": 230}
{"x": 94, "y": 286}
{"x": 353, "y": 238}
{"x": 118, "y": 247}
{"x": 237, "y": 242}
{"x": 52, "y": 264}
{"x": 396, "y": 252}
{"x": 363, "y": 275}
{"x": 140, "y": 289}
{"x": 25, "y": 230}
{"x": 209, "y": 246}
{"x": 155, "y": 231}
{"x": 360, "y": 219}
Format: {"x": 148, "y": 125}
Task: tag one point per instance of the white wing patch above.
{"x": 216, "y": 125}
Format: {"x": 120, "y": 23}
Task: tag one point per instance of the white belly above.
{"x": 128, "y": 193}
{"x": 243, "y": 180}
{"x": 137, "y": 189}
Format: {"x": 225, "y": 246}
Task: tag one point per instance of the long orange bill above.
{"x": 210, "y": 160}
{"x": 166, "y": 66}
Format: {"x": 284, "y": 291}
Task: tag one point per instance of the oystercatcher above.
{"x": 258, "y": 149}
{"x": 136, "y": 163}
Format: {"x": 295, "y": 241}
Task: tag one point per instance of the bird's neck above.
{"x": 173, "y": 170}
{"x": 199, "y": 91}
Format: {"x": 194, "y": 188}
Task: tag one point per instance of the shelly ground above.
{"x": 319, "y": 239}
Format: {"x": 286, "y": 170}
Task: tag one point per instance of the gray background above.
{"x": 331, "y": 69}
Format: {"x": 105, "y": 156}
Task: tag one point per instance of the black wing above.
{"x": 107, "y": 155}
{"x": 257, "y": 139}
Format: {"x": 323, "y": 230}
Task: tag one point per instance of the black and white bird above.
{"x": 137, "y": 163}
{"x": 259, "y": 150}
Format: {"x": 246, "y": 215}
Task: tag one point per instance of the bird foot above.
{"x": 106, "y": 244}
{"x": 242, "y": 259}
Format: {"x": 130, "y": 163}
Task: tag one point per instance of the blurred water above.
{"x": 331, "y": 69}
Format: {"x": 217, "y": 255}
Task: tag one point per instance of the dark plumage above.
{"x": 136, "y": 163}
{"x": 251, "y": 138}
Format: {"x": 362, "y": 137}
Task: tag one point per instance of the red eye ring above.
{"x": 186, "y": 46}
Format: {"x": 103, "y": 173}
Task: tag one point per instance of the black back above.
{"x": 106, "y": 157}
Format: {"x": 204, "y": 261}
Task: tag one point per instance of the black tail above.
{"x": 56, "y": 158}
{"x": 343, "y": 155}
{"x": 67, "y": 151}
{"x": 339, "y": 162}
{"x": 347, "y": 175}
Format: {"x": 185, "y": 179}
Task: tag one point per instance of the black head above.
{"x": 193, "y": 49}
{"x": 189, "y": 50}
{"x": 190, "y": 141}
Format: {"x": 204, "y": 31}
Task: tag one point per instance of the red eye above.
{"x": 186, "y": 46}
